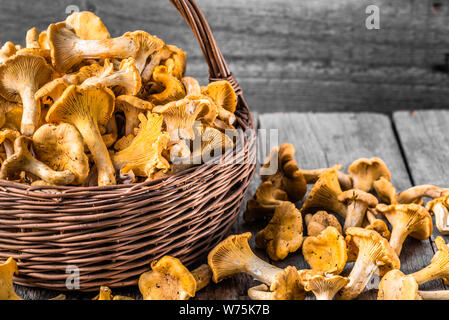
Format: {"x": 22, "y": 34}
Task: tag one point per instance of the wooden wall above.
{"x": 302, "y": 55}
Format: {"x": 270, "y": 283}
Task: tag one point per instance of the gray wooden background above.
{"x": 291, "y": 55}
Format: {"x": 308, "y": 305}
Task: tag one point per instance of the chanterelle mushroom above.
{"x": 440, "y": 209}
{"x": 233, "y": 256}
{"x": 312, "y": 176}
{"x": 357, "y": 202}
{"x": 365, "y": 171}
{"x": 319, "y": 221}
{"x": 86, "y": 109}
{"x": 326, "y": 252}
{"x": 325, "y": 286}
{"x": 286, "y": 286}
{"x": 87, "y": 26}
{"x": 22, "y": 160}
{"x": 67, "y": 49}
{"x": 20, "y": 77}
{"x": 287, "y": 176}
{"x": 374, "y": 251}
{"x": 131, "y": 107}
{"x": 406, "y": 219}
{"x": 265, "y": 201}
{"x": 7, "y": 50}
{"x": 284, "y": 232}
{"x": 173, "y": 87}
{"x": 106, "y": 294}
{"x": 61, "y": 147}
{"x": 143, "y": 155}
{"x": 169, "y": 279}
{"x": 324, "y": 194}
{"x": 7, "y": 270}
{"x": 377, "y": 224}
{"x": 224, "y": 97}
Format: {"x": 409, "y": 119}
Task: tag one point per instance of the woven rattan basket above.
{"x": 112, "y": 233}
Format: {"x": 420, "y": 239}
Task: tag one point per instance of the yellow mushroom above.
{"x": 61, "y": 147}
{"x": 173, "y": 87}
{"x": 7, "y": 50}
{"x": 287, "y": 176}
{"x": 176, "y": 62}
{"x": 319, "y": 221}
{"x": 67, "y": 49}
{"x": 224, "y": 97}
{"x": 365, "y": 171}
{"x": 87, "y": 26}
{"x": 326, "y": 252}
{"x": 325, "y": 286}
{"x": 395, "y": 285}
{"x": 22, "y": 160}
{"x": 440, "y": 209}
{"x": 312, "y": 176}
{"x": 324, "y": 194}
{"x": 373, "y": 223}
{"x": 233, "y": 256}
{"x": 7, "y": 270}
{"x": 143, "y": 156}
{"x": 7, "y": 138}
{"x": 212, "y": 144}
{"x": 106, "y": 294}
{"x": 126, "y": 80}
{"x": 264, "y": 203}
{"x": 374, "y": 251}
{"x": 32, "y": 39}
{"x": 283, "y": 234}
{"x": 131, "y": 107}
{"x": 406, "y": 220}
{"x": 169, "y": 279}
{"x": 86, "y": 109}
{"x": 285, "y": 286}
{"x": 20, "y": 77}
{"x": 357, "y": 203}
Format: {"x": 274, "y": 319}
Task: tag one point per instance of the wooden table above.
{"x": 414, "y": 145}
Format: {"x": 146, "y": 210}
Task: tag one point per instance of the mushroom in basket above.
{"x": 7, "y": 270}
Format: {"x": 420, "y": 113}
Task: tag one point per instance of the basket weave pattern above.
{"x": 111, "y": 233}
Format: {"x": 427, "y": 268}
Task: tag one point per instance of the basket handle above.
{"x": 218, "y": 68}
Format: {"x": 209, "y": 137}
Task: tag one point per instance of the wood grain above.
{"x": 317, "y": 53}
{"x": 322, "y": 140}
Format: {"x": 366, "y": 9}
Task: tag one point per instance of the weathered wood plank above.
{"x": 322, "y": 140}
{"x": 319, "y": 53}
{"x": 425, "y": 140}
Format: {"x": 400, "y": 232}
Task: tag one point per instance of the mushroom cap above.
{"x": 288, "y": 177}
{"x": 326, "y": 252}
{"x": 320, "y": 221}
{"x": 284, "y": 232}
{"x": 287, "y": 285}
{"x": 168, "y": 279}
{"x": 265, "y": 201}
{"x": 381, "y": 227}
{"x": 173, "y": 87}
{"x": 61, "y": 147}
{"x": 87, "y": 26}
{"x": 7, "y": 50}
{"x": 144, "y": 154}
{"x": 147, "y": 45}
{"x": 324, "y": 194}
{"x": 23, "y": 71}
{"x": 374, "y": 247}
{"x": 214, "y": 143}
{"x": 177, "y": 62}
{"x": 222, "y": 93}
{"x": 51, "y": 91}
{"x": 127, "y": 102}
{"x": 77, "y": 104}
{"x": 365, "y": 171}
{"x": 414, "y": 218}
{"x": 355, "y": 195}
{"x": 7, "y": 270}
{"x": 442, "y": 257}
{"x": 397, "y": 286}
{"x": 229, "y": 257}
{"x": 13, "y": 118}
{"x": 385, "y": 190}
{"x": 325, "y": 284}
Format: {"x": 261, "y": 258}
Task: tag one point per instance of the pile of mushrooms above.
{"x": 356, "y": 225}
{"x": 355, "y": 222}
{"x": 80, "y": 108}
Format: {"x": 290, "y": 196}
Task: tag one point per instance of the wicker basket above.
{"x": 112, "y": 233}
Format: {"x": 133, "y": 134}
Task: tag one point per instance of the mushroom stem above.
{"x": 260, "y": 292}
{"x": 92, "y": 137}
{"x": 434, "y": 295}
{"x": 31, "y": 111}
{"x": 397, "y": 238}
{"x": 44, "y": 172}
{"x": 417, "y": 192}
{"x": 262, "y": 271}
{"x": 360, "y": 275}
{"x": 438, "y": 268}
{"x": 355, "y": 214}
{"x": 441, "y": 214}
{"x": 114, "y": 47}
{"x": 202, "y": 276}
